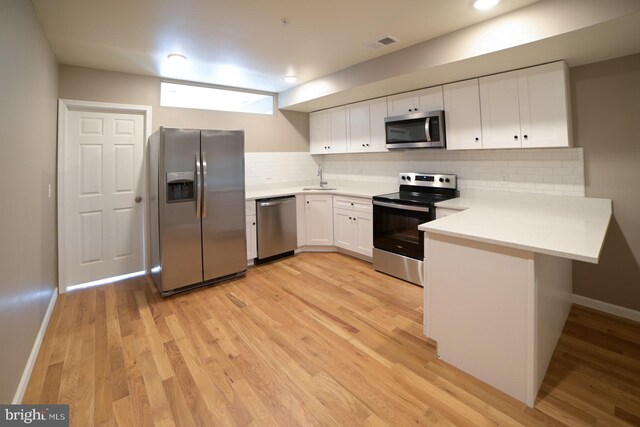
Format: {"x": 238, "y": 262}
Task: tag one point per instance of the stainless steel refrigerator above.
{"x": 197, "y": 207}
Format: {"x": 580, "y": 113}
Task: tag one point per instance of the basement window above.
{"x": 210, "y": 98}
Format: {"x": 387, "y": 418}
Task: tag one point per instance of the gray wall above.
{"x": 28, "y": 263}
{"x": 284, "y": 131}
{"x": 606, "y": 122}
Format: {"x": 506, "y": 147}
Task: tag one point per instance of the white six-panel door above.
{"x": 102, "y": 187}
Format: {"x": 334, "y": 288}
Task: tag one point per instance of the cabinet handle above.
{"x": 254, "y": 223}
{"x": 307, "y": 202}
{"x": 477, "y": 139}
{"x": 363, "y": 145}
{"x": 349, "y": 218}
{"x": 515, "y": 137}
{"x": 409, "y": 109}
{"x": 526, "y": 137}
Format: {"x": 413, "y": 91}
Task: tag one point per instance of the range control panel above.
{"x": 419, "y": 179}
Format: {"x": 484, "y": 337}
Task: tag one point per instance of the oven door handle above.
{"x": 401, "y": 207}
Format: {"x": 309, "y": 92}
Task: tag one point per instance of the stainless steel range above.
{"x": 398, "y": 244}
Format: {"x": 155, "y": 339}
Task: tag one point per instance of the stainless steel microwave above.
{"x": 416, "y": 130}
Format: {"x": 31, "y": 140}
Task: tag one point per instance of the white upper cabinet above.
{"x": 365, "y": 126}
{"x": 527, "y": 108}
{"x": 319, "y": 132}
{"x": 462, "y": 115}
{"x": 500, "y": 111}
{"x": 338, "y": 130}
{"x": 430, "y": 99}
{"x": 545, "y": 114}
{"x": 423, "y": 100}
{"x": 328, "y": 131}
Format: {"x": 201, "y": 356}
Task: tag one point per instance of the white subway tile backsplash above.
{"x": 544, "y": 171}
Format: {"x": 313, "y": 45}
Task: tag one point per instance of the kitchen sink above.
{"x": 318, "y": 188}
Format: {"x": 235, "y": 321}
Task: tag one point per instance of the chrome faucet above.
{"x": 323, "y": 183}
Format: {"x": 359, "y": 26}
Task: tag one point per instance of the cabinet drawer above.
{"x": 352, "y": 203}
{"x": 250, "y": 207}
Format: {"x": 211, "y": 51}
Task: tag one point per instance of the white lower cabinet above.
{"x": 319, "y": 220}
{"x": 353, "y": 225}
{"x": 251, "y": 230}
{"x": 252, "y": 243}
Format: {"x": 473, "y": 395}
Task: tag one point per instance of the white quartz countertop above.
{"x": 566, "y": 227}
{"x": 349, "y": 190}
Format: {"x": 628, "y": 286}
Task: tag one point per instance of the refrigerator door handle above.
{"x": 204, "y": 185}
{"x": 198, "y": 187}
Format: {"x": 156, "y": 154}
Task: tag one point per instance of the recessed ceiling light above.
{"x": 290, "y": 78}
{"x": 485, "y": 4}
{"x": 176, "y": 58}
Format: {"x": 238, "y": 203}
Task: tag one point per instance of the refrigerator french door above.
{"x": 197, "y": 207}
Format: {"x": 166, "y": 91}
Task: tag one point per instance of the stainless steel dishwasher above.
{"x": 277, "y": 228}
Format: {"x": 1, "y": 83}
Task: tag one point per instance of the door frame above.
{"x": 64, "y": 107}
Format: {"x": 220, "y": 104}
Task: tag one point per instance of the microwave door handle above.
{"x": 198, "y": 187}
{"x": 426, "y": 129}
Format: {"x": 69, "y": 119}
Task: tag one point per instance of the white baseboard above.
{"x": 605, "y": 307}
{"x": 26, "y": 374}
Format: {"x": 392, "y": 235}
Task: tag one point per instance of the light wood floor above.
{"x": 318, "y": 339}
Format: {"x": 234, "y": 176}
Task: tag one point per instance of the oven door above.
{"x": 395, "y": 228}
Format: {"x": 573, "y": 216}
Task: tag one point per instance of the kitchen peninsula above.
{"x": 499, "y": 281}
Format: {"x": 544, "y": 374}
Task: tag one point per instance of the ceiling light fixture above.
{"x": 176, "y": 58}
{"x": 290, "y": 78}
{"x": 485, "y": 4}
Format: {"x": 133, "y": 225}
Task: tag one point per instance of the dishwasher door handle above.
{"x": 275, "y": 202}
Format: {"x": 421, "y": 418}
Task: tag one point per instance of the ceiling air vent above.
{"x": 384, "y": 41}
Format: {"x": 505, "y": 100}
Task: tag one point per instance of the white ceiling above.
{"x": 243, "y": 43}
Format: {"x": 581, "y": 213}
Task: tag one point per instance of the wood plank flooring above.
{"x": 317, "y": 339}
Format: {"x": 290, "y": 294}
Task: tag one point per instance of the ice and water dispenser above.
{"x": 180, "y": 187}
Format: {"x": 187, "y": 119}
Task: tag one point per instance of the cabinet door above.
{"x": 430, "y": 99}
{"x": 252, "y": 243}
{"x": 319, "y": 220}
{"x": 319, "y": 132}
{"x": 377, "y": 114}
{"x": 500, "y": 111}
{"x": 343, "y": 229}
{"x": 544, "y": 106}
{"x": 338, "y": 130}
{"x": 365, "y": 124}
{"x": 359, "y": 127}
{"x": 363, "y": 230}
{"x": 462, "y": 115}
{"x": 403, "y": 103}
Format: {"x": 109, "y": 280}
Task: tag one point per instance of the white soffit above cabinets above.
{"x": 246, "y": 43}
{"x": 578, "y": 31}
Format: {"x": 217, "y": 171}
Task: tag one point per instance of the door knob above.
{"x": 138, "y": 199}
